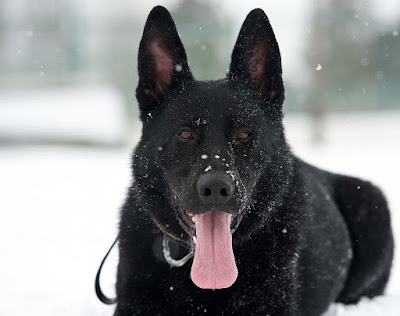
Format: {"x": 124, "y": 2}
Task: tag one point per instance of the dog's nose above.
{"x": 215, "y": 188}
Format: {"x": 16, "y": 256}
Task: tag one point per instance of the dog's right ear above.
{"x": 162, "y": 61}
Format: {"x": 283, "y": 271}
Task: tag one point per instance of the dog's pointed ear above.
{"x": 256, "y": 58}
{"x": 162, "y": 61}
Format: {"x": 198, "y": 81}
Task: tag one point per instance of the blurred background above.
{"x": 69, "y": 120}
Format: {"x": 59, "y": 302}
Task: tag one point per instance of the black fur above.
{"x": 307, "y": 237}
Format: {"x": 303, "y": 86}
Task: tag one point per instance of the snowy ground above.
{"x": 60, "y": 208}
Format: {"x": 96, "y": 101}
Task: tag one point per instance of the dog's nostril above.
{"x": 215, "y": 188}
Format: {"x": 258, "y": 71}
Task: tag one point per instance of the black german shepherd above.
{"x": 214, "y": 176}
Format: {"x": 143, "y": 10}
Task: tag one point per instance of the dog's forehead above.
{"x": 209, "y": 102}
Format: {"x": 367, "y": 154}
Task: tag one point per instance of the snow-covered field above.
{"x": 59, "y": 209}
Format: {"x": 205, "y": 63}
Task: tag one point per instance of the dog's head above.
{"x": 208, "y": 145}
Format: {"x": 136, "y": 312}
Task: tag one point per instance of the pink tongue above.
{"x": 214, "y": 264}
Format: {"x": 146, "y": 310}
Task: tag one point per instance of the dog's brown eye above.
{"x": 186, "y": 135}
{"x": 242, "y": 136}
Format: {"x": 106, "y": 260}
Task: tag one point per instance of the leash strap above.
{"x": 167, "y": 254}
{"x": 99, "y": 292}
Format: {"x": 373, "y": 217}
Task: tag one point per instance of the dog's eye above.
{"x": 186, "y": 135}
{"x": 242, "y": 136}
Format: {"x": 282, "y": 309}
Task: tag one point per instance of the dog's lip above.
{"x": 185, "y": 219}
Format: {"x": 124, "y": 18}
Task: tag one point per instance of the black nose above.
{"x": 215, "y": 188}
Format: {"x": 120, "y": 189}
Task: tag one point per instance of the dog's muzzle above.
{"x": 215, "y": 188}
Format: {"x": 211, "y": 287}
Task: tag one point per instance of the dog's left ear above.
{"x": 162, "y": 61}
{"x": 256, "y": 58}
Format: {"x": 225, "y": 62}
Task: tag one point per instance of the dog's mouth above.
{"x": 188, "y": 222}
{"x": 214, "y": 264}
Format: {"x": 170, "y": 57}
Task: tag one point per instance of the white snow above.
{"x": 77, "y": 114}
{"x": 208, "y": 169}
{"x": 60, "y": 210}
{"x": 178, "y": 67}
{"x": 379, "y": 306}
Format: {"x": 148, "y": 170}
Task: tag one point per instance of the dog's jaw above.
{"x": 211, "y": 232}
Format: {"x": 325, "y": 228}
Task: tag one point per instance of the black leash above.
{"x": 167, "y": 256}
{"x": 99, "y": 292}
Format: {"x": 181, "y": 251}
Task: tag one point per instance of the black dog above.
{"x": 213, "y": 155}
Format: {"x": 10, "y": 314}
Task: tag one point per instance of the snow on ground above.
{"x": 60, "y": 212}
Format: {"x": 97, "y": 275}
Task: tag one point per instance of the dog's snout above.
{"x": 215, "y": 188}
